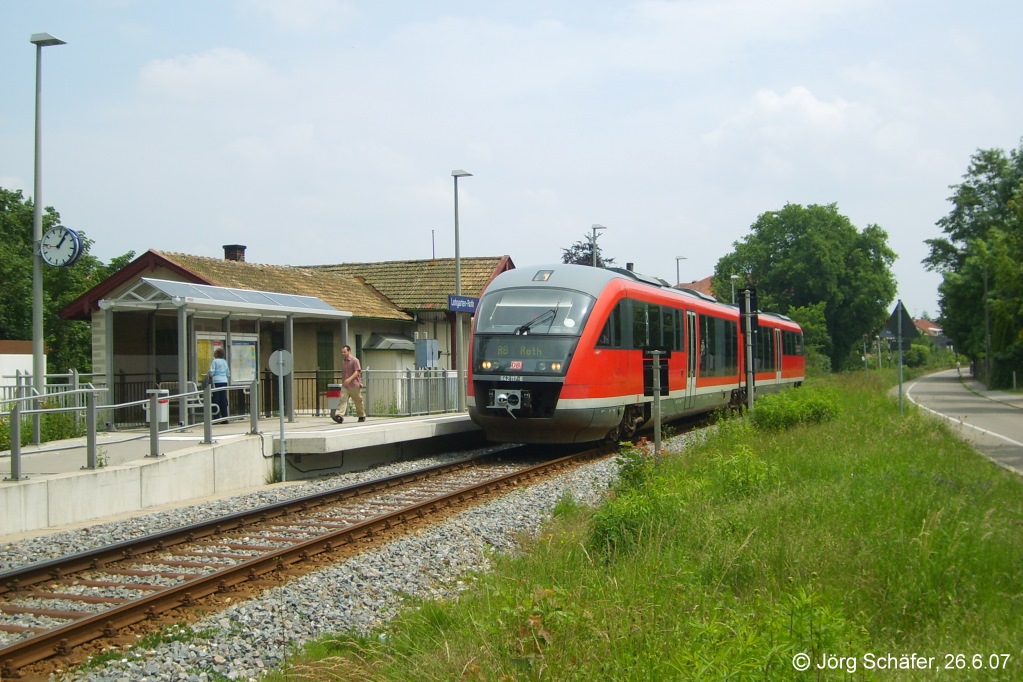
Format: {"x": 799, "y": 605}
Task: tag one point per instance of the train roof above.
{"x": 584, "y": 278}
{"x": 593, "y": 281}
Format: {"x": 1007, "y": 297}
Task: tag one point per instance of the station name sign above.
{"x": 462, "y": 304}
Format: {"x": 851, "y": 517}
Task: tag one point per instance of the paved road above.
{"x": 992, "y": 421}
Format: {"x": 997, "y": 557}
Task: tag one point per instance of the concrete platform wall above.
{"x": 182, "y": 475}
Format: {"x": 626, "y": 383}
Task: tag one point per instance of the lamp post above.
{"x": 733, "y": 278}
{"x": 459, "y": 350}
{"x": 40, "y": 40}
{"x": 593, "y": 242}
{"x": 678, "y": 280}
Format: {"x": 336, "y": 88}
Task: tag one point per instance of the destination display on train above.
{"x": 542, "y": 355}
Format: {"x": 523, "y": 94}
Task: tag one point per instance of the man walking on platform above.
{"x": 351, "y": 384}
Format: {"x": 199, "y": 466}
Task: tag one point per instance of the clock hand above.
{"x": 63, "y": 236}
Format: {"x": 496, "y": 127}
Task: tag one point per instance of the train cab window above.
{"x": 533, "y": 311}
{"x": 611, "y": 333}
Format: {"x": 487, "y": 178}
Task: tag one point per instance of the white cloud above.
{"x": 210, "y": 76}
{"x": 304, "y": 16}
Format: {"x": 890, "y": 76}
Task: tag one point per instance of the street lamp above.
{"x": 593, "y": 242}
{"x": 459, "y": 351}
{"x": 40, "y": 40}
{"x": 678, "y": 280}
{"x": 733, "y": 278}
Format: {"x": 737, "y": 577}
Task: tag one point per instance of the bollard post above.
{"x": 92, "y": 460}
{"x": 16, "y": 442}
{"x": 154, "y": 423}
{"x": 254, "y": 407}
{"x": 207, "y": 414}
{"x": 657, "y": 401}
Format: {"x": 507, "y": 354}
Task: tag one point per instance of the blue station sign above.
{"x": 462, "y": 304}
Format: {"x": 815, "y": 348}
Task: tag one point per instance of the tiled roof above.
{"x": 423, "y": 284}
{"x": 339, "y": 290}
{"x": 927, "y": 327}
{"x": 704, "y": 286}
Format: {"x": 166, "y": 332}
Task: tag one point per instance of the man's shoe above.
{"x": 362, "y": 419}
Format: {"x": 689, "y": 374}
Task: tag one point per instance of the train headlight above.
{"x": 486, "y": 364}
{"x": 556, "y": 366}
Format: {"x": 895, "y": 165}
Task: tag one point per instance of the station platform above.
{"x": 55, "y": 487}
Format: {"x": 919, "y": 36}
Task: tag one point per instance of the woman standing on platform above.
{"x": 220, "y": 377}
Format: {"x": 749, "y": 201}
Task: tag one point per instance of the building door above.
{"x": 324, "y": 360}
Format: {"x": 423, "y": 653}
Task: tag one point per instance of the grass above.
{"x": 836, "y": 527}
{"x": 52, "y": 426}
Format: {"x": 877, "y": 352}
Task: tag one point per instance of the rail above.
{"x": 169, "y": 552}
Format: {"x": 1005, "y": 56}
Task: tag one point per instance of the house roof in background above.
{"x": 423, "y": 284}
{"x": 704, "y": 286}
{"x": 344, "y": 293}
{"x": 927, "y": 327}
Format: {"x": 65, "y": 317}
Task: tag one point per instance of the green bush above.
{"x": 792, "y": 408}
{"x": 741, "y": 472}
{"x": 52, "y": 426}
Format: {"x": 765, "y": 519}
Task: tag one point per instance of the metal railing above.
{"x": 155, "y": 406}
{"x": 387, "y": 393}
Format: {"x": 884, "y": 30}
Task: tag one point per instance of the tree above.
{"x": 804, "y": 256}
{"x": 581, "y": 253}
{"x": 981, "y": 293}
{"x": 68, "y": 343}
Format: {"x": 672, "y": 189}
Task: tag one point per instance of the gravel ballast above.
{"x": 250, "y": 638}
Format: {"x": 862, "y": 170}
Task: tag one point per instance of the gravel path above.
{"x": 247, "y": 640}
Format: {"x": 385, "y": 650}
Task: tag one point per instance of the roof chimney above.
{"x": 234, "y": 252}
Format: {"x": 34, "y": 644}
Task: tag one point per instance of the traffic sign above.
{"x": 281, "y": 362}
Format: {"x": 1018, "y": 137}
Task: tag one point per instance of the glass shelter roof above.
{"x": 202, "y": 299}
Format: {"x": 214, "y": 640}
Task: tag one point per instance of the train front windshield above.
{"x": 522, "y": 332}
{"x": 526, "y": 312}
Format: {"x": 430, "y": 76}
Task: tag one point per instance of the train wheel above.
{"x": 631, "y": 420}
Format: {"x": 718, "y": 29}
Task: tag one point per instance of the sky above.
{"x": 326, "y": 131}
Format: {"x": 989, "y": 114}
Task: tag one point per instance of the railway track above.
{"x": 48, "y": 609}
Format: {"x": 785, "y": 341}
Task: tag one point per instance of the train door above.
{"x": 692, "y": 355}
{"x": 777, "y": 354}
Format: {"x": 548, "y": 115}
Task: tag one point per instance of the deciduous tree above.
{"x": 581, "y": 253}
{"x": 805, "y": 256}
{"x": 68, "y": 344}
{"x": 981, "y": 294}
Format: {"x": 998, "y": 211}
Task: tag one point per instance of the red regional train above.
{"x": 557, "y": 354}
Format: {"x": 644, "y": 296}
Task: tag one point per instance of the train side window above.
{"x": 640, "y": 324}
{"x": 669, "y": 328}
{"x": 680, "y": 337}
{"x": 763, "y": 349}
{"x": 719, "y": 347}
{"x": 792, "y": 343}
{"x": 654, "y": 327}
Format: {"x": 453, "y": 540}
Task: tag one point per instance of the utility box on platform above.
{"x": 427, "y": 354}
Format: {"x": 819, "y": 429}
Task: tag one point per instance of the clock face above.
{"x": 60, "y": 246}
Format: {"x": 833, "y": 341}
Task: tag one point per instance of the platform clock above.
{"x": 61, "y": 246}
